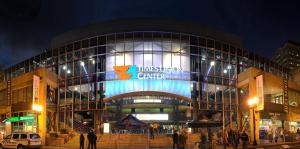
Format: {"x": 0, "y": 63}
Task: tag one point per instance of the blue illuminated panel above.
{"x": 116, "y": 87}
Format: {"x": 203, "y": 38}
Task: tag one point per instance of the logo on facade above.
{"x": 125, "y": 72}
{"x": 145, "y": 72}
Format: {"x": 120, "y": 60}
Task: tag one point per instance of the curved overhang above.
{"x": 145, "y": 24}
{"x": 147, "y": 93}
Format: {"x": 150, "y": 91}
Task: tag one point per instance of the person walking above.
{"x": 245, "y": 140}
{"x": 203, "y": 140}
{"x": 225, "y": 139}
{"x": 81, "y": 141}
{"x": 90, "y": 139}
{"x": 175, "y": 139}
{"x": 151, "y": 132}
{"x": 210, "y": 140}
{"x": 95, "y": 140}
{"x": 182, "y": 140}
{"x": 236, "y": 139}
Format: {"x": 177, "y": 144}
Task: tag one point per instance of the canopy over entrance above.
{"x": 130, "y": 122}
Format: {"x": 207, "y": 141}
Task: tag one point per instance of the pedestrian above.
{"x": 245, "y": 140}
{"x": 225, "y": 139}
{"x": 90, "y": 139}
{"x": 151, "y": 132}
{"x": 230, "y": 137}
{"x": 270, "y": 137}
{"x": 182, "y": 140}
{"x": 203, "y": 140}
{"x": 298, "y": 131}
{"x": 95, "y": 140}
{"x": 210, "y": 135}
{"x": 175, "y": 138}
{"x": 236, "y": 139}
{"x": 81, "y": 141}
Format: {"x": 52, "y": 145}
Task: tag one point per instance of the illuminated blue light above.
{"x": 116, "y": 87}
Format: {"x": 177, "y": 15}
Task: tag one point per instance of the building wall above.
{"x": 273, "y": 90}
{"x": 22, "y": 97}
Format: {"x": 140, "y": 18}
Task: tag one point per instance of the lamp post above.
{"x": 252, "y": 103}
{"x": 37, "y": 108}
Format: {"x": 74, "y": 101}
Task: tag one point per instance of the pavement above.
{"x": 289, "y": 145}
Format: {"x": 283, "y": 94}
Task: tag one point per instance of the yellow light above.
{"x": 253, "y": 101}
{"x": 36, "y": 107}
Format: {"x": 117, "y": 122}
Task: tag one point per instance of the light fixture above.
{"x": 36, "y": 107}
{"x": 218, "y": 88}
{"x": 229, "y": 67}
{"x": 253, "y": 101}
{"x": 68, "y": 71}
{"x": 75, "y": 88}
{"x": 242, "y": 91}
{"x": 225, "y": 71}
{"x": 64, "y": 67}
{"x": 212, "y": 63}
{"x": 81, "y": 63}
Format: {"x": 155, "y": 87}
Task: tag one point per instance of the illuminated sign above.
{"x": 155, "y": 117}
{"x": 147, "y": 101}
{"x": 145, "y": 72}
{"x": 36, "y": 89}
{"x": 24, "y": 118}
{"x": 16, "y": 119}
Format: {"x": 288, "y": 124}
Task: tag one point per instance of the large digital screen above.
{"x": 116, "y": 87}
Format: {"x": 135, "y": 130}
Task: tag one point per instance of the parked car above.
{"x": 21, "y": 141}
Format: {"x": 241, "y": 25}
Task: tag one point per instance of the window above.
{"x": 8, "y": 137}
{"x": 23, "y": 136}
{"x": 16, "y": 136}
{"x": 34, "y": 136}
{"x": 277, "y": 99}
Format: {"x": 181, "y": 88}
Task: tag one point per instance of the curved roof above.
{"x": 128, "y": 25}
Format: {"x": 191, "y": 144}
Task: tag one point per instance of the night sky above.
{"x": 27, "y": 26}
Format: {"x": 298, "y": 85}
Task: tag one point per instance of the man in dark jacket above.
{"x": 245, "y": 140}
{"x": 90, "y": 137}
{"x": 175, "y": 138}
{"x": 95, "y": 140}
{"x": 81, "y": 141}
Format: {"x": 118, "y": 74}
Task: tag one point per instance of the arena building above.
{"x": 164, "y": 71}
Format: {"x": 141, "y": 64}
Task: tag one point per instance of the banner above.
{"x": 260, "y": 92}
{"x": 36, "y": 89}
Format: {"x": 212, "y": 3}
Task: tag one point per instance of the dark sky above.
{"x": 27, "y": 26}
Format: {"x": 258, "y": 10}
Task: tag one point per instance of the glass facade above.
{"x": 86, "y": 74}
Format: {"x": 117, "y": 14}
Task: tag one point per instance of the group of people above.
{"x": 233, "y": 137}
{"x": 92, "y": 139}
{"x": 180, "y": 140}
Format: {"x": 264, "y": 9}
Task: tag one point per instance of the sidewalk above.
{"x": 272, "y": 144}
{"x": 260, "y": 145}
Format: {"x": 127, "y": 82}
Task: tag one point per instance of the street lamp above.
{"x": 252, "y": 104}
{"x": 37, "y": 108}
